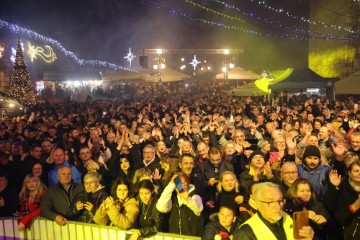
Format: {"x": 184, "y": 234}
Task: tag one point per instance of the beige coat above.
{"x": 123, "y": 220}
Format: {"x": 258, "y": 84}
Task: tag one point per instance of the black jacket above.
{"x": 183, "y": 220}
{"x": 150, "y": 220}
{"x": 350, "y": 221}
{"x": 214, "y": 228}
{"x": 328, "y": 230}
{"x": 84, "y": 215}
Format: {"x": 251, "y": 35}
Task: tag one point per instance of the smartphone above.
{"x": 178, "y": 184}
{"x": 89, "y": 197}
{"x": 273, "y": 156}
{"x": 301, "y": 219}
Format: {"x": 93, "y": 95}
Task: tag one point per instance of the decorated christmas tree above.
{"x": 20, "y": 85}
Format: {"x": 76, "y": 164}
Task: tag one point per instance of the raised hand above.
{"x": 334, "y": 178}
{"x": 290, "y": 143}
{"x": 156, "y": 174}
{"x": 339, "y": 149}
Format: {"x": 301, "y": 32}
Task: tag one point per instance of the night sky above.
{"x": 105, "y": 29}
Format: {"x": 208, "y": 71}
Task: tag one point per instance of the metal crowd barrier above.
{"x": 43, "y": 229}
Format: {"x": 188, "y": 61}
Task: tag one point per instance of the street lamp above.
{"x": 159, "y": 64}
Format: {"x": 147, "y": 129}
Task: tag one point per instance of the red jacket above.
{"x": 29, "y": 211}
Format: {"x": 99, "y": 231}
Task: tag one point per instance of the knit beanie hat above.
{"x": 254, "y": 153}
{"x": 311, "y": 151}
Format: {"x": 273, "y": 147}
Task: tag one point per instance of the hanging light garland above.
{"x": 250, "y": 31}
{"x": 277, "y": 23}
{"x": 34, "y": 35}
{"x": 265, "y": 5}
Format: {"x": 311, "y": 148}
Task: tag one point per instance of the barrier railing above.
{"x": 43, "y": 229}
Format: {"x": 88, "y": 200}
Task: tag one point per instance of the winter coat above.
{"x": 214, "y": 228}
{"x": 122, "y": 215}
{"x": 350, "y": 221}
{"x": 57, "y": 200}
{"x": 185, "y": 216}
{"x": 11, "y": 199}
{"x": 29, "y": 211}
{"x": 328, "y": 230}
{"x": 318, "y": 177}
{"x": 150, "y": 220}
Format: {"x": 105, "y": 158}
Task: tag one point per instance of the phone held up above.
{"x": 301, "y": 219}
{"x": 178, "y": 184}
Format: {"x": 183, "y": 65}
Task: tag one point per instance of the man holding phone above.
{"x": 270, "y": 222}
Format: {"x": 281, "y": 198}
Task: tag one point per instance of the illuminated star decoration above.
{"x": 194, "y": 62}
{"x": 130, "y": 57}
{"x": 1, "y": 51}
{"x": 35, "y": 52}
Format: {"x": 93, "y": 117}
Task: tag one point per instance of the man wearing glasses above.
{"x": 288, "y": 175}
{"x": 270, "y": 222}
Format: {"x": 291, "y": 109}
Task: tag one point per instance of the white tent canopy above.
{"x": 124, "y": 75}
{"x": 238, "y": 73}
{"x": 349, "y": 85}
{"x": 168, "y": 75}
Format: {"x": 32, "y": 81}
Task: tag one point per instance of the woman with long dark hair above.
{"x": 120, "y": 209}
{"x": 150, "y": 220}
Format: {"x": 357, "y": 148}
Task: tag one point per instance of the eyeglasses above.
{"x": 274, "y": 203}
{"x": 290, "y": 173}
{"x": 148, "y": 152}
{"x": 280, "y": 142}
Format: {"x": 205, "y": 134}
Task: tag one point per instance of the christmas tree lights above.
{"x": 20, "y": 85}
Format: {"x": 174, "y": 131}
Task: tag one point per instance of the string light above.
{"x": 278, "y": 23}
{"x": 222, "y": 25}
{"x": 35, "y": 52}
{"x": 250, "y": 31}
{"x": 36, "y": 36}
{"x": 303, "y": 19}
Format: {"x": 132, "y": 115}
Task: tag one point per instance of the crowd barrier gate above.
{"x": 43, "y": 229}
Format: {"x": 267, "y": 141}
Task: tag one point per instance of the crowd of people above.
{"x": 191, "y": 160}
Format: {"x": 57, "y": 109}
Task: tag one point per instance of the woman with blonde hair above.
{"x": 228, "y": 191}
{"x": 141, "y": 174}
{"x": 31, "y": 195}
{"x": 161, "y": 149}
{"x": 188, "y": 148}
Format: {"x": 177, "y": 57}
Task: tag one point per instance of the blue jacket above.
{"x": 319, "y": 177}
{"x": 53, "y": 179}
